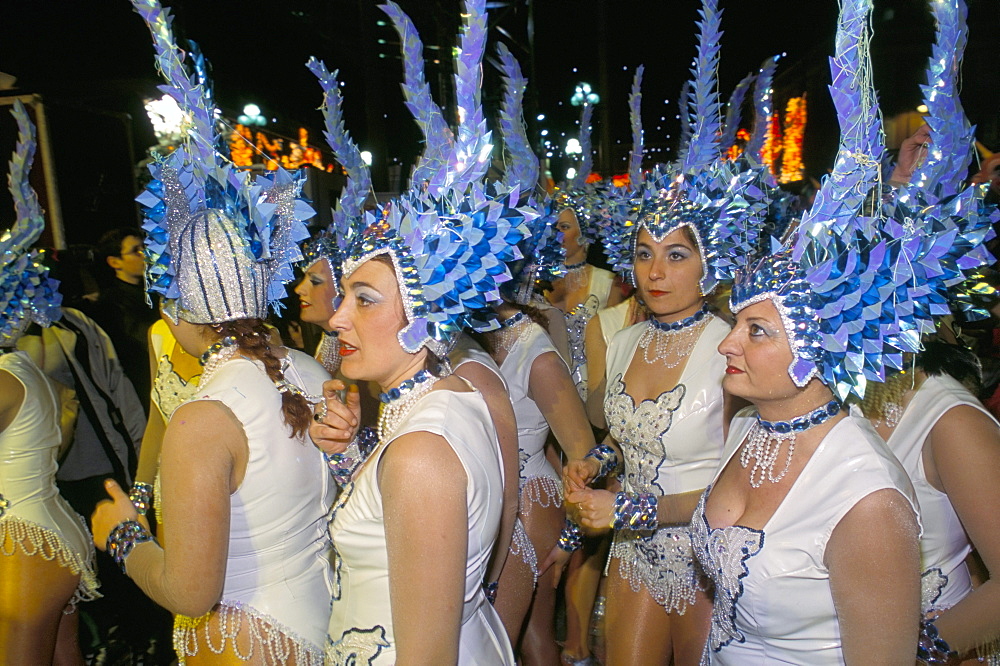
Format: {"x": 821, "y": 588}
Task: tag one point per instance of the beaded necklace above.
{"x": 215, "y": 357}
{"x": 397, "y": 402}
{"x": 674, "y": 342}
{"x": 762, "y": 433}
{"x": 512, "y": 330}
{"x": 576, "y": 275}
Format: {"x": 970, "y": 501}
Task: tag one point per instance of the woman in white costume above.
{"x": 245, "y": 496}
{"x": 415, "y": 525}
{"x": 46, "y": 556}
{"x": 946, "y": 441}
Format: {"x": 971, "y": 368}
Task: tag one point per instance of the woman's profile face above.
{"x": 316, "y": 293}
{"x": 668, "y": 274}
{"x": 757, "y": 355}
{"x": 570, "y": 227}
{"x": 367, "y": 321}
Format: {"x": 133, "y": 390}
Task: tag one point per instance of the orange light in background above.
{"x": 594, "y": 178}
{"x": 247, "y": 148}
{"x": 770, "y": 153}
{"x": 795, "y": 128}
{"x": 240, "y": 146}
{"x": 620, "y": 180}
{"x": 735, "y": 150}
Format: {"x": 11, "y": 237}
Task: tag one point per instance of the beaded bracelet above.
{"x": 123, "y": 539}
{"x": 606, "y": 457}
{"x": 635, "y": 511}
{"x": 491, "y": 591}
{"x": 571, "y": 537}
{"x": 931, "y": 648}
{"x": 141, "y": 495}
{"x": 342, "y": 465}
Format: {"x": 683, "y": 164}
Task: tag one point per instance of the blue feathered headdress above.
{"x": 220, "y": 244}
{"x": 27, "y": 294}
{"x": 449, "y": 237}
{"x": 862, "y": 277}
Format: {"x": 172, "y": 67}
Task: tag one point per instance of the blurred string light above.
{"x": 584, "y": 95}
{"x": 570, "y": 173}
{"x": 573, "y": 147}
{"x": 167, "y": 118}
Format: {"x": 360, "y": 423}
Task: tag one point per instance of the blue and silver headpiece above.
{"x": 721, "y": 202}
{"x": 449, "y": 237}
{"x": 220, "y": 245}
{"x": 543, "y": 256}
{"x": 862, "y": 277}
{"x": 27, "y": 294}
{"x": 348, "y": 220}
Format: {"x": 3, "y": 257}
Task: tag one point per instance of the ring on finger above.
{"x": 321, "y": 412}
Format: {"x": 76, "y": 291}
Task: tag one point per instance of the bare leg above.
{"x": 538, "y": 645}
{"x": 640, "y": 631}
{"x": 514, "y": 593}
{"x": 582, "y": 580}
{"x": 33, "y": 593}
{"x": 68, "y": 641}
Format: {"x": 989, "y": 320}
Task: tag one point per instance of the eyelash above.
{"x": 316, "y": 281}
{"x": 364, "y": 301}
{"x": 756, "y": 331}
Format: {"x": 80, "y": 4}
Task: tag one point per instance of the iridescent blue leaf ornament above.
{"x": 27, "y": 294}
{"x": 450, "y": 236}
{"x": 763, "y": 105}
{"x": 543, "y": 256}
{"x": 733, "y": 106}
{"x": 348, "y": 220}
{"x": 220, "y": 245}
{"x": 720, "y": 201}
{"x": 867, "y": 271}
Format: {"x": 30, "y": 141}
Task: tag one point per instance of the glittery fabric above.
{"x": 356, "y": 647}
{"x": 868, "y": 270}
{"x": 932, "y": 582}
{"x": 723, "y": 554}
{"x": 27, "y": 294}
{"x": 576, "y": 328}
{"x": 220, "y": 244}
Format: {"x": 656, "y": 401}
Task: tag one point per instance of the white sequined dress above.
{"x": 670, "y": 445}
{"x": 361, "y": 628}
{"x": 773, "y": 603}
{"x": 599, "y": 290}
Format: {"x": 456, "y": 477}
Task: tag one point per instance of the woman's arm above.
{"x": 203, "y": 461}
{"x": 502, "y": 413}
{"x": 423, "y": 485}
{"x": 964, "y": 461}
{"x": 552, "y": 389}
{"x": 874, "y": 561}
{"x": 11, "y": 398}
{"x": 152, "y": 438}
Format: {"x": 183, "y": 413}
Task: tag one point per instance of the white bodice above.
{"x": 361, "y": 629}
{"x": 773, "y": 602}
{"x": 613, "y": 319}
{"x": 944, "y": 544}
{"x": 577, "y": 318}
{"x": 532, "y": 428}
{"x": 278, "y": 563}
{"x": 672, "y": 444}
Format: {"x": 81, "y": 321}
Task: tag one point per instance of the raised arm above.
{"x": 202, "y": 462}
{"x": 423, "y": 486}
{"x": 964, "y": 462}
{"x": 874, "y": 562}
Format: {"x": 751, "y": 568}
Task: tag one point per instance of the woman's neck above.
{"x": 812, "y": 397}
{"x": 401, "y": 374}
{"x": 674, "y": 317}
{"x": 577, "y": 257}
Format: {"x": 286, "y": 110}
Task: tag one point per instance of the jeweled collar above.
{"x": 801, "y": 423}
{"x": 405, "y": 387}
{"x": 687, "y": 322}
{"x": 512, "y": 321}
{"x": 576, "y": 267}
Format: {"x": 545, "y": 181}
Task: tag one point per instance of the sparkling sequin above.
{"x": 576, "y": 327}
{"x": 357, "y": 647}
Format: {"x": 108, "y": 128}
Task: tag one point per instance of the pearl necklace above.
{"x": 576, "y": 275}
{"x": 397, "y": 402}
{"x": 672, "y": 343}
{"x": 762, "y": 433}
{"x": 511, "y": 331}
{"x": 215, "y": 357}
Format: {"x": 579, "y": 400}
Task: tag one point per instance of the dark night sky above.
{"x": 95, "y": 55}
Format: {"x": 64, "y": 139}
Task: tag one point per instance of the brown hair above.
{"x": 253, "y": 338}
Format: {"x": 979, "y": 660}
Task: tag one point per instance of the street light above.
{"x": 570, "y": 174}
{"x": 251, "y": 116}
{"x": 366, "y": 157}
{"x": 584, "y": 95}
{"x": 573, "y": 147}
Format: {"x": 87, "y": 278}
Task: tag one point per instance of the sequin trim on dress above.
{"x": 33, "y": 539}
{"x": 521, "y": 546}
{"x": 723, "y": 554}
{"x": 932, "y": 583}
{"x": 541, "y": 490}
{"x": 576, "y": 327}
{"x": 357, "y": 647}
{"x": 663, "y": 563}
{"x": 270, "y": 641}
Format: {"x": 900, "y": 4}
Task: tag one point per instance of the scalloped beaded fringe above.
{"x": 33, "y": 539}
{"x": 269, "y": 641}
{"x": 675, "y": 593}
{"x": 541, "y": 490}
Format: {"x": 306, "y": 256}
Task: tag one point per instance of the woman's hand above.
{"x": 335, "y": 422}
{"x": 110, "y": 513}
{"x": 558, "y": 558}
{"x": 578, "y": 474}
{"x": 595, "y": 509}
